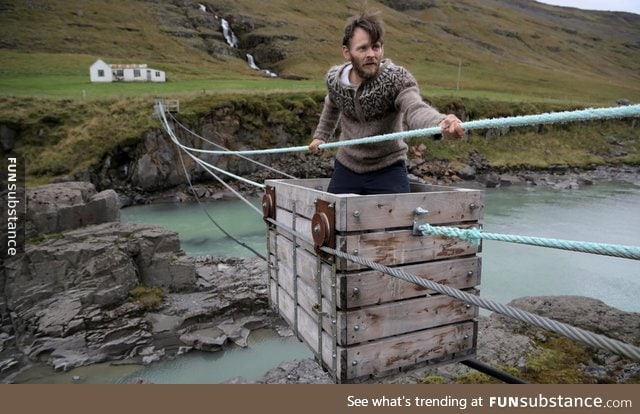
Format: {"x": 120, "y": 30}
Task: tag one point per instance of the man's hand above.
{"x": 314, "y": 145}
{"x": 451, "y": 127}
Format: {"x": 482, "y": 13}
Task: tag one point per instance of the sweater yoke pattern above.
{"x": 376, "y": 97}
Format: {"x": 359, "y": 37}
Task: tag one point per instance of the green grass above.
{"x": 78, "y": 87}
{"x": 148, "y": 298}
{"x": 577, "y": 145}
{"x": 511, "y": 61}
{"x": 65, "y": 136}
{"x": 504, "y": 52}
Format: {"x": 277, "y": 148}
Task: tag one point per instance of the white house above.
{"x": 103, "y": 72}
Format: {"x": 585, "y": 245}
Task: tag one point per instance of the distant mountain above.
{"x": 498, "y": 45}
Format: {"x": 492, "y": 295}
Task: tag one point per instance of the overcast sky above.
{"x": 631, "y": 6}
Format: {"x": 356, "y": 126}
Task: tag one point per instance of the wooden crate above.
{"x": 360, "y": 322}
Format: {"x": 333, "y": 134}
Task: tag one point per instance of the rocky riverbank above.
{"x": 91, "y": 289}
{"x": 476, "y": 174}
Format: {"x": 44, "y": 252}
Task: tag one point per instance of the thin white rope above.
{"x": 226, "y": 233}
{"x": 199, "y": 161}
{"x": 175, "y": 121}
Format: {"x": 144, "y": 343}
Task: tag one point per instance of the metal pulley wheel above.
{"x": 321, "y": 230}
{"x": 268, "y": 206}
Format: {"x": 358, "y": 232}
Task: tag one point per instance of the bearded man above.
{"x": 368, "y": 96}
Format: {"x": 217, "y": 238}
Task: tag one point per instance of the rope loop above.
{"x": 473, "y": 235}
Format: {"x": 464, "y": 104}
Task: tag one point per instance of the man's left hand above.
{"x": 451, "y": 127}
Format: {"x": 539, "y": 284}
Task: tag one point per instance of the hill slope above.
{"x": 517, "y": 47}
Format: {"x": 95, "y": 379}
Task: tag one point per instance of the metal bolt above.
{"x": 356, "y": 328}
{"x": 356, "y": 291}
{"x": 467, "y": 306}
{"x": 356, "y": 252}
{"x": 419, "y": 211}
{"x": 466, "y": 337}
{"x": 470, "y": 273}
{"x": 316, "y": 229}
{"x": 354, "y": 363}
{"x": 473, "y": 206}
{"x": 356, "y": 213}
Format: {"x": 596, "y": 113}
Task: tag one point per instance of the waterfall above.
{"x": 232, "y": 41}
{"x": 230, "y": 37}
{"x": 252, "y": 65}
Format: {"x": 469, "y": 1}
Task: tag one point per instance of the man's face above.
{"x": 364, "y": 55}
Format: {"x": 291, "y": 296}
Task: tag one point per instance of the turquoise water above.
{"x": 601, "y": 213}
{"x": 199, "y": 236}
{"x": 265, "y": 350}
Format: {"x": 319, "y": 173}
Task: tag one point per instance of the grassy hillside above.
{"x": 485, "y": 57}
{"x": 502, "y": 48}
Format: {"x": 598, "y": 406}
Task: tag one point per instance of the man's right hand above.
{"x": 314, "y": 145}
{"x": 451, "y": 127}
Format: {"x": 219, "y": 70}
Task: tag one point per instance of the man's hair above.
{"x": 369, "y": 21}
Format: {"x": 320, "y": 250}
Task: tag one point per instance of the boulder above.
{"x": 64, "y": 206}
{"x": 68, "y": 296}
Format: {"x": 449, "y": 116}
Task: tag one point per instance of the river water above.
{"x": 606, "y": 212}
{"x": 603, "y": 213}
{"x": 265, "y": 350}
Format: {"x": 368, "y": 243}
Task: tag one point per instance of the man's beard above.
{"x": 364, "y": 75}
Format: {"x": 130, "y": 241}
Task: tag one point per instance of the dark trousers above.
{"x": 388, "y": 180}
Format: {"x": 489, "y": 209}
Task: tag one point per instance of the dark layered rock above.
{"x": 67, "y": 300}
{"x": 64, "y": 206}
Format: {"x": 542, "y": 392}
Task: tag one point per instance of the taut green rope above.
{"x": 475, "y": 235}
{"x": 546, "y": 118}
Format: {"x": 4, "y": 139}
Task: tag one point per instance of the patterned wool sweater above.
{"x": 378, "y": 106}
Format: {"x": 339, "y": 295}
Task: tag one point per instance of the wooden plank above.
{"x": 308, "y": 328}
{"x": 358, "y": 213}
{"x": 373, "y": 212}
{"x": 406, "y": 350}
{"x": 306, "y": 264}
{"x": 388, "y": 242}
{"x": 302, "y": 224}
{"x": 428, "y": 188}
{"x": 376, "y": 322}
{"x": 305, "y": 294}
{"x": 304, "y": 288}
{"x": 315, "y": 184}
{"x": 288, "y": 191}
{"x": 398, "y": 247}
{"x": 373, "y": 358}
{"x": 373, "y": 287}
{"x": 376, "y": 287}
{"x": 372, "y": 322}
